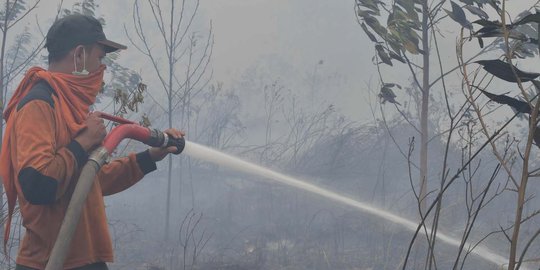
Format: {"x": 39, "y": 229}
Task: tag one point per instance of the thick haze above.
{"x": 285, "y": 38}
{"x": 288, "y": 38}
{"x": 318, "y": 53}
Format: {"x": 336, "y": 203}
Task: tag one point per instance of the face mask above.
{"x": 84, "y": 72}
{"x": 91, "y": 82}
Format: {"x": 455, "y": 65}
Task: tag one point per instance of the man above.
{"x": 49, "y": 135}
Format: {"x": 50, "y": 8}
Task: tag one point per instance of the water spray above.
{"x": 214, "y": 156}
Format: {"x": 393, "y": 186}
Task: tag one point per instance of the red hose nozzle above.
{"x": 132, "y": 130}
{"x": 151, "y": 137}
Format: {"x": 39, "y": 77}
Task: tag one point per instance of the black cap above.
{"x": 76, "y": 29}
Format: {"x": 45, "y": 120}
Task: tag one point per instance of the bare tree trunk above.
{"x": 172, "y": 31}
{"x": 2, "y": 102}
{"x": 169, "y": 115}
{"x": 425, "y": 106}
{"x": 424, "y": 116}
{"x": 522, "y": 188}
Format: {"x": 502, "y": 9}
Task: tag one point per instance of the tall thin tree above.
{"x": 185, "y": 68}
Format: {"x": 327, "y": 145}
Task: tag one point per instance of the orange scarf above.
{"x": 75, "y": 96}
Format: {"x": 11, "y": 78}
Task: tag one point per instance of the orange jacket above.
{"x": 47, "y": 162}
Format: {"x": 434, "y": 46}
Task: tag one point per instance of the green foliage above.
{"x": 387, "y": 94}
{"x": 522, "y": 41}
{"x": 129, "y": 101}
{"x": 399, "y": 35}
{"x": 392, "y": 41}
{"x": 477, "y": 11}
{"x": 480, "y": 3}
{"x": 505, "y": 71}
{"x": 10, "y": 11}
{"x": 122, "y": 77}
{"x": 522, "y": 34}
{"x": 519, "y": 106}
{"x": 369, "y": 34}
{"x": 385, "y": 58}
{"x": 529, "y": 18}
{"x": 369, "y": 7}
{"x": 457, "y": 14}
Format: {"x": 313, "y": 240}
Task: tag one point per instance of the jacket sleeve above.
{"x": 44, "y": 170}
{"x": 123, "y": 173}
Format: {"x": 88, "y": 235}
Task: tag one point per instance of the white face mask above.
{"x": 84, "y": 72}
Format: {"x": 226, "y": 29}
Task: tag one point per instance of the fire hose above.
{"x": 126, "y": 129}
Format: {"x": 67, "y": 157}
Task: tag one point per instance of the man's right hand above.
{"x": 94, "y": 132}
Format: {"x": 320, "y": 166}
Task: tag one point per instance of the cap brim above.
{"x": 111, "y": 46}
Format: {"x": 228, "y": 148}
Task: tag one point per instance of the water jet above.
{"x": 210, "y": 155}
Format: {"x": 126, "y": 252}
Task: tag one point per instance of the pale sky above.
{"x": 286, "y": 37}
{"x": 277, "y": 33}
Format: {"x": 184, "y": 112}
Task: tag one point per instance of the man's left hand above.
{"x": 159, "y": 153}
